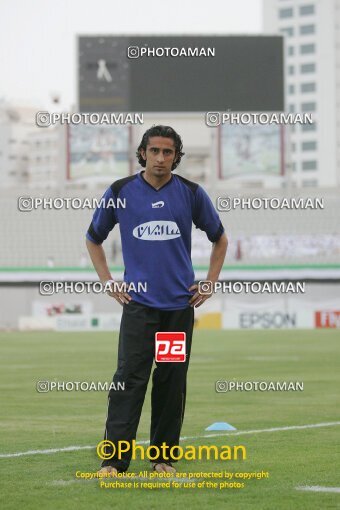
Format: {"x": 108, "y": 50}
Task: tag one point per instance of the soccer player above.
{"x": 155, "y": 229}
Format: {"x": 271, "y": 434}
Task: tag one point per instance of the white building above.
{"x": 31, "y": 157}
{"x": 47, "y": 157}
{"x": 15, "y": 124}
{"x": 312, "y": 84}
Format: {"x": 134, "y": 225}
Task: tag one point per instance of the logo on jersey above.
{"x": 157, "y": 231}
{"x": 170, "y": 346}
{"x": 157, "y": 205}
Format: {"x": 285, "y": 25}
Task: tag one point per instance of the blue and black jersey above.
{"x": 155, "y": 227}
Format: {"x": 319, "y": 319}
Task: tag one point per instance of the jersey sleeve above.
{"x": 104, "y": 219}
{"x": 205, "y": 216}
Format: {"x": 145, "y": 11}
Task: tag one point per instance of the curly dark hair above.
{"x": 166, "y": 132}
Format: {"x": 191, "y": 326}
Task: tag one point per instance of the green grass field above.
{"x": 298, "y": 457}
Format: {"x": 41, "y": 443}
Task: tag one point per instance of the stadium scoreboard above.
{"x": 180, "y": 73}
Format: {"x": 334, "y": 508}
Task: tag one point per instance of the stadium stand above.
{"x": 56, "y": 238}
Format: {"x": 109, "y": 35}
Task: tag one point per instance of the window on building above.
{"x": 291, "y": 50}
{"x": 309, "y": 165}
{"x": 308, "y": 107}
{"x": 307, "y": 68}
{"x": 308, "y": 87}
{"x": 308, "y": 146}
{"x": 291, "y": 89}
{"x": 307, "y": 9}
{"x": 306, "y": 49}
{"x": 293, "y": 147}
{"x": 307, "y": 29}
{"x": 291, "y": 70}
{"x": 291, "y": 108}
{"x": 288, "y": 31}
{"x": 308, "y": 127}
{"x": 310, "y": 183}
{"x": 286, "y": 13}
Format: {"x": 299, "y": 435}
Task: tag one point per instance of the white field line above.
{"x": 318, "y": 488}
{"x": 185, "y": 438}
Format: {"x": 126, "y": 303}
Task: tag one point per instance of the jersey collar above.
{"x": 148, "y": 184}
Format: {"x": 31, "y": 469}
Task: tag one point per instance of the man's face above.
{"x": 160, "y": 155}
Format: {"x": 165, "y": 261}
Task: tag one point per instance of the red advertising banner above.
{"x": 327, "y": 319}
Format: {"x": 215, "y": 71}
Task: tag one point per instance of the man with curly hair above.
{"x": 155, "y": 229}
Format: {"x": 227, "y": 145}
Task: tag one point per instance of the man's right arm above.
{"x": 98, "y": 258}
{"x": 103, "y": 221}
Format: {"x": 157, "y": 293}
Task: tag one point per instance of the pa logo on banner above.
{"x": 170, "y": 346}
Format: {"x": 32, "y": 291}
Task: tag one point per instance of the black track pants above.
{"x": 136, "y": 351}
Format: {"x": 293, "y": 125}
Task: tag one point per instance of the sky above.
{"x": 38, "y": 39}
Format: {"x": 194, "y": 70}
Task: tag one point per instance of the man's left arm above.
{"x": 218, "y": 253}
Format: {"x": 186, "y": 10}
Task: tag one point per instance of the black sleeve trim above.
{"x": 91, "y": 231}
{"x": 117, "y": 185}
{"x": 190, "y": 184}
{"x": 218, "y": 234}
